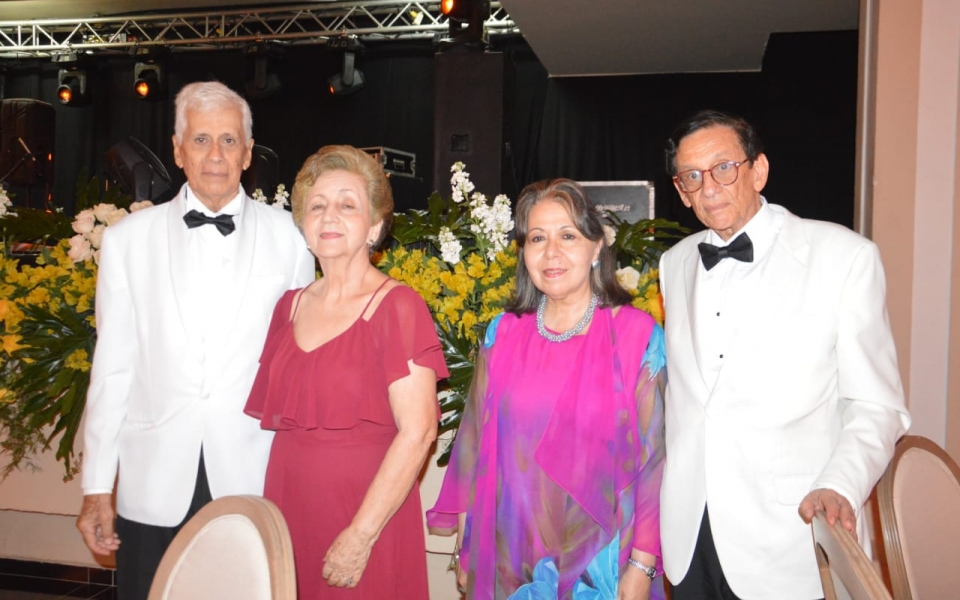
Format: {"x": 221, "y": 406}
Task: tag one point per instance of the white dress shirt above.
{"x": 723, "y": 291}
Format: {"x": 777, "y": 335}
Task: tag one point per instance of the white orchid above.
{"x": 450, "y": 246}
{"x": 5, "y": 202}
{"x": 460, "y": 183}
{"x": 490, "y": 224}
{"x": 280, "y": 199}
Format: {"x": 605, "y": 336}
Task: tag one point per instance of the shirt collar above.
{"x": 762, "y": 230}
{"x": 234, "y": 207}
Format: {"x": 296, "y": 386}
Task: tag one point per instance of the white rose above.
{"x": 80, "y": 249}
{"x": 95, "y": 237}
{"x": 135, "y": 206}
{"x": 103, "y": 211}
{"x": 84, "y": 221}
{"x": 610, "y": 235}
{"x": 628, "y": 278}
{"x": 115, "y": 216}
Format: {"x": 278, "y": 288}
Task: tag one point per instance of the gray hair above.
{"x": 207, "y": 95}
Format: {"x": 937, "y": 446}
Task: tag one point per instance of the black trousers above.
{"x": 142, "y": 546}
{"x": 704, "y": 580}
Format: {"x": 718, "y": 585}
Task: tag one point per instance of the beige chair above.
{"x": 235, "y": 548}
{"x": 919, "y": 500}
{"x": 845, "y": 570}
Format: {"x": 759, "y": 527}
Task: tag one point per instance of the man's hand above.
{"x": 834, "y": 506}
{"x": 96, "y": 524}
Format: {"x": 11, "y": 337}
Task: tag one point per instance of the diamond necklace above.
{"x": 566, "y": 335}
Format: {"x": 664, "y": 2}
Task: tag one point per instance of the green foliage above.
{"x": 417, "y": 226}
{"x": 644, "y": 241}
{"x": 49, "y": 391}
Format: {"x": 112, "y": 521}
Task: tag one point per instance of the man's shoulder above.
{"x": 829, "y": 236}
{"x": 137, "y": 222}
{"x": 685, "y": 246}
{"x": 270, "y": 216}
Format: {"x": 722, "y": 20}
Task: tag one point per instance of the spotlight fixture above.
{"x": 72, "y": 87}
{"x": 350, "y": 79}
{"x": 264, "y": 83}
{"x": 466, "y": 19}
{"x": 148, "y": 81}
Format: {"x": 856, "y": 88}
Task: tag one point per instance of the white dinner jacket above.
{"x": 157, "y": 390}
{"x": 808, "y": 396}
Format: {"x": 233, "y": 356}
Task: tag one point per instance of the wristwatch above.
{"x": 649, "y": 571}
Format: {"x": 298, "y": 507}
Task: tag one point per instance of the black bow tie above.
{"x": 740, "y": 249}
{"x": 224, "y": 223}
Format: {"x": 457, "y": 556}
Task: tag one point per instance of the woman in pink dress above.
{"x": 348, "y": 381}
{"x": 554, "y": 481}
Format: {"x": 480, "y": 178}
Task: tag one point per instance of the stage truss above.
{"x": 311, "y": 23}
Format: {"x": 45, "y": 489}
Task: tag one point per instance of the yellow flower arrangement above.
{"x": 47, "y": 328}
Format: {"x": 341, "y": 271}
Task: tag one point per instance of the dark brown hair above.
{"x": 749, "y": 139}
{"x": 586, "y": 218}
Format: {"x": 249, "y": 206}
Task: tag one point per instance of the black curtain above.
{"x": 592, "y": 128}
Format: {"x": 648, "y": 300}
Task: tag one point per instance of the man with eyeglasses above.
{"x": 784, "y": 396}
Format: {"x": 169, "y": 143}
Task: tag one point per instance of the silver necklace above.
{"x": 566, "y": 335}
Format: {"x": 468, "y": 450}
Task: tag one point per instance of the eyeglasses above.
{"x": 724, "y": 173}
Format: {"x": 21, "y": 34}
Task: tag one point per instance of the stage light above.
{"x": 350, "y": 79}
{"x": 72, "y": 87}
{"x": 148, "y": 81}
{"x": 264, "y": 83}
{"x": 466, "y": 19}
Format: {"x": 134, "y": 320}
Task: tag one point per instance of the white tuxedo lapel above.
{"x": 783, "y": 274}
{"x": 177, "y": 265}
{"x": 778, "y": 287}
{"x": 691, "y": 266}
{"x": 240, "y": 269}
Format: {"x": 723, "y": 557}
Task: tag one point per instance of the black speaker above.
{"x": 469, "y": 119}
{"x": 26, "y": 142}
{"x": 263, "y": 172}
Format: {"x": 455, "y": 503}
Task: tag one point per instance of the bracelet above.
{"x": 649, "y": 571}
{"x": 454, "y": 559}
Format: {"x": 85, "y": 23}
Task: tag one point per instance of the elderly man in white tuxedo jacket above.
{"x": 784, "y": 396}
{"x": 184, "y": 298}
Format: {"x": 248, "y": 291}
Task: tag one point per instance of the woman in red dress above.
{"x": 348, "y": 381}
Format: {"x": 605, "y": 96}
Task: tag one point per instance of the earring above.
{"x": 595, "y": 264}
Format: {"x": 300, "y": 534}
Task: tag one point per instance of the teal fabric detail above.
{"x": 656, "y": 355}
{"x": 491, "y": 335}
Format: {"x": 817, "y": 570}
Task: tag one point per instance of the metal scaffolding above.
{"x": 312, "y": 23}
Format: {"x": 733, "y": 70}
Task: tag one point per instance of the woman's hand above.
{"x": 633, "y": 585}
{"x": 346, "y": 560}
